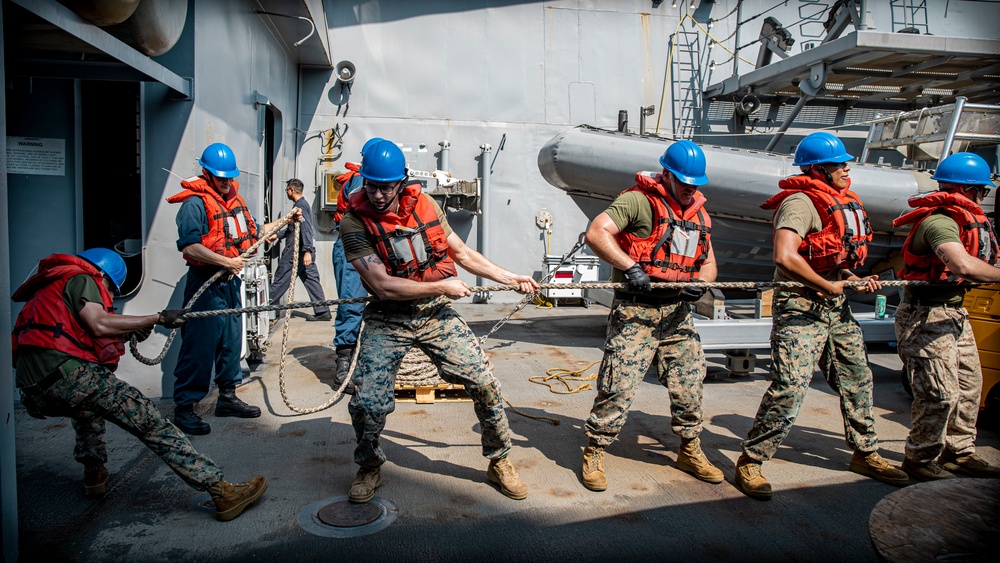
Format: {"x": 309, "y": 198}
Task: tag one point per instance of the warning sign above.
{"x": 35, "y": 155}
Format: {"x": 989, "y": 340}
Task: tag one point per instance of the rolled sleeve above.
{"x": 192, "y": 223}
{"x": 354, "y": 238}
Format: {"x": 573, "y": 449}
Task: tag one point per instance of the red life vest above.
{"x": 231, "y": 229}
{"x": 46, "y": 321}
{"x": 410, "y": 242}
{"x": 974, "y": 230}
{"x": 846, "y": 233}
{"x": 346, "y": 189}
{"x": 681, "y": 238}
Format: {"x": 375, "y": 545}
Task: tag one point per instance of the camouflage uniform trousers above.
{"x": 390, "y": 330}
{"x": 92, "y": 394}
{"x": 638, "y": 334}
{"x": 939, "y": 348}
{"x": 806, "y": 331}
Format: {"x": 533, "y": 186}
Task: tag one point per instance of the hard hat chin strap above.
{"x": 824, "y": 176}
{"x": 210, "y": 177}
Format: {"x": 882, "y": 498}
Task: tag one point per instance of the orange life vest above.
{"x": 46, "y": 321}
{"x": 681, "y": 238}
{"x": 410, "y": 242}
{"x": 846, "y": 233}
{"x": 231, "y": 228}
{"x": 350, "y": 182}
{"x": 974, "y": 230}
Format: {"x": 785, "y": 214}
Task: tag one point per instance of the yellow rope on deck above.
{"x": 565, "y": 376}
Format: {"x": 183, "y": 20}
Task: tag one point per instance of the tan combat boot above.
{"x": 930, "y": 471}
{"x": 593, "y": 469}
{"x": 690, "y": 459}
{"x": 95, "y": 479}
{"x": 364, "y": 485}
{"x": 503, "y": 473}
{"x": 232, "y": 498}
{"x": 872, "y": 465}
{"x": 969, "y": 464}
{"x": 750, "y": 478}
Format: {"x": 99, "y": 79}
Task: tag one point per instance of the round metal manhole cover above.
{"x": 347, "y": 514}
{"x": 337, "y": 517}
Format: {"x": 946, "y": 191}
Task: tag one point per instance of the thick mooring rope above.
{"x": 134, "y": 343}
{"x": 581, "y": 285}
{"x": 416, "y": 368}
{"x": 284, "y": 345}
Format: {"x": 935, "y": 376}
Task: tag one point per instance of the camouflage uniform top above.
{"x": 932, "y": 232}
{"x": 34, "y": 363}
{"x": 633, "y": 213}
{"x": 798, "y": 213}
{"x": 355, "y": 238}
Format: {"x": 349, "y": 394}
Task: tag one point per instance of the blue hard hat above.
{"x": 219, "y": 160}
{"x": 964, "y": 168}
{"x": 686, "y": 161}
{"x": 369, "y": 144}
{"x": 109, "y": 262}
{"x": 819, "y": 148}
{"x": 383, "y": 162}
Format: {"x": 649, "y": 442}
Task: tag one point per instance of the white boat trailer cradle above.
{"x": 738, "y": 327}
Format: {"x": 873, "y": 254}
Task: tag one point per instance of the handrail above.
{"x": 944, "y": 133}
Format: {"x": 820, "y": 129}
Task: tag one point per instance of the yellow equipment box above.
{"x": 983, "y": 304}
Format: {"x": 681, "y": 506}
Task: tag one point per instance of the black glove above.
{"x": 140, "y": 335}
{"x": 690, "y": 293}
{"x": 171, "y": 318}
{"x": 637, "y": 280}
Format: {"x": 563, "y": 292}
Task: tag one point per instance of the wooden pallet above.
{"x": 441, "y": 393}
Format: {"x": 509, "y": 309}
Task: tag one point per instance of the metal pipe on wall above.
{"x": 444, "y": 157}
{"x": 484, "y": 205}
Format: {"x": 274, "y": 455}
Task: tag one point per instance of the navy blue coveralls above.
{"x": 308, "y": 274}
{"x": 213, "y": 342}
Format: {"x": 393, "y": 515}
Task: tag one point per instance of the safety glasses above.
{"x": 385, "y": 189}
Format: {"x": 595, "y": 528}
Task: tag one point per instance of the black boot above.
{"x": 231, "y": 405}
{"x": 344, "y": 356}
{"x": 188, "y": 422}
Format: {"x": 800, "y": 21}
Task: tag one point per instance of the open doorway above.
{"x": 111, "y": 184}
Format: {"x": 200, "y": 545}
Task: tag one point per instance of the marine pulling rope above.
{"x": 134, "y": 343}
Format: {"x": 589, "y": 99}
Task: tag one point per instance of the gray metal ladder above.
{"x": 927, "y": 136}
{"x": 908, "y": 14}
{"x": 686, "y": 82}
